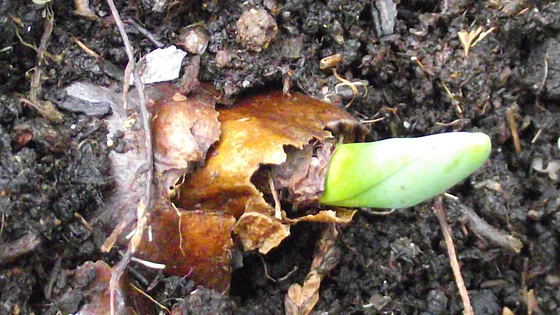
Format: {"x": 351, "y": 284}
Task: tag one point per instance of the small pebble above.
{"x": 223, "y": 58}
{"x": 194, "y": 39}
{"x": 256, "y": 29}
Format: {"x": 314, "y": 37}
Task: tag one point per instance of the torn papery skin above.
{"x": 285, "y": 135}
{"x": 257, "y": 131}
{"x": 193, "y": 243}
{"x": 184, "y": 128}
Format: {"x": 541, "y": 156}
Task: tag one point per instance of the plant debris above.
{"x": 300, "y": 299}
{"x": 57, "y": 181}
{"x": 255, "y": 132}
{"x": 452, "y": 254}
{"x": 552, "y": 167}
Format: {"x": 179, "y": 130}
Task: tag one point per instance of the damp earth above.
{"x": 427, "y": 66}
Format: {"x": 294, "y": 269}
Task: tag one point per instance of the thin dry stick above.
{"x": 45, "y": 108}
{"x": 513, "y": 128}
{"x": 1, "y": 226}
{"x": 543, "y": 83}
{"x": 482, "y": 228}
{"x": 145, "y": 32}
{"x": 145, "y": 116}
{"x": 277, "y": 206}
{"x": 537, "y": 135}
{"x": 85, "y": 48}
{"x": 279, "y": 279}
{"x": 9, "y": 252}
{"x": 440, "y": 214}
{"x": 83, "y": 221}
{"x": 150, "y": 298}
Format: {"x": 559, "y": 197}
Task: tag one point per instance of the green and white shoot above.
{"x": 398, "y": 173}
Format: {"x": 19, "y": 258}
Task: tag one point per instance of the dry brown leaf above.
{"x": 300, "y": 300}
{"x": 532, "y": 302}
{"x": 193, "y": 243}
{"x": 82, "y": 8}
{"x": 257, "y": 230}
{"x": 340, "y": 216}
{"x": 507, "y": 311}
{"x": 183, "y": 129}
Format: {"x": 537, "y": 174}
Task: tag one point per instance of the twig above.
{"x": 277, "y": 205}
{"x": 421, "y": 65}
{"x": 543, "y": 83}
{"x": 483, "y": 35}
{"x": 482, "y": 228}
{"x": 456, "y": 122}
{"x": 1, "y": 226}
{"x": 36, "y": 79}
{"x": 83, "y": 221}
{"x": 145, "y": 116}
{"x": 12, "y": 250}
{"x": 513, "y": 128}
{"x": 446, "y": 230}
{"x": 453, "y": 99}
{"x": 45, "y": 108}
{"x": 109, "y": 68}
{"x": 85, "y": 48}
{"x": 537, "y": 135}
{"x": 144, "y": 32}
{"x": 150, "y": 298}
{"x": 371, "y": 121}
{"x": 52, "y": 57}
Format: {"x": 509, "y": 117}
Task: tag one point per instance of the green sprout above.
{"x": 398, "y": 173}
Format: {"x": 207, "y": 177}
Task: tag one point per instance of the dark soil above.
{"x": 54, "y": 176}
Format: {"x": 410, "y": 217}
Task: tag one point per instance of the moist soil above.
{"x": 55, "y": 176}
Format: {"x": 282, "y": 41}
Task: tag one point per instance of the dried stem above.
{"x": 45, "y": 108}
{"x": 145, "y": 120}
{"x": 145, "y": 32}
{"x": 9, "y": 252}
{"x": 513, "y": 128}
{"x": 440, "y": 214}
{"x": 482, "y": 228}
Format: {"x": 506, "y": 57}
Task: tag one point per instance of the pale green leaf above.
{"x": 397, "y": 173}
